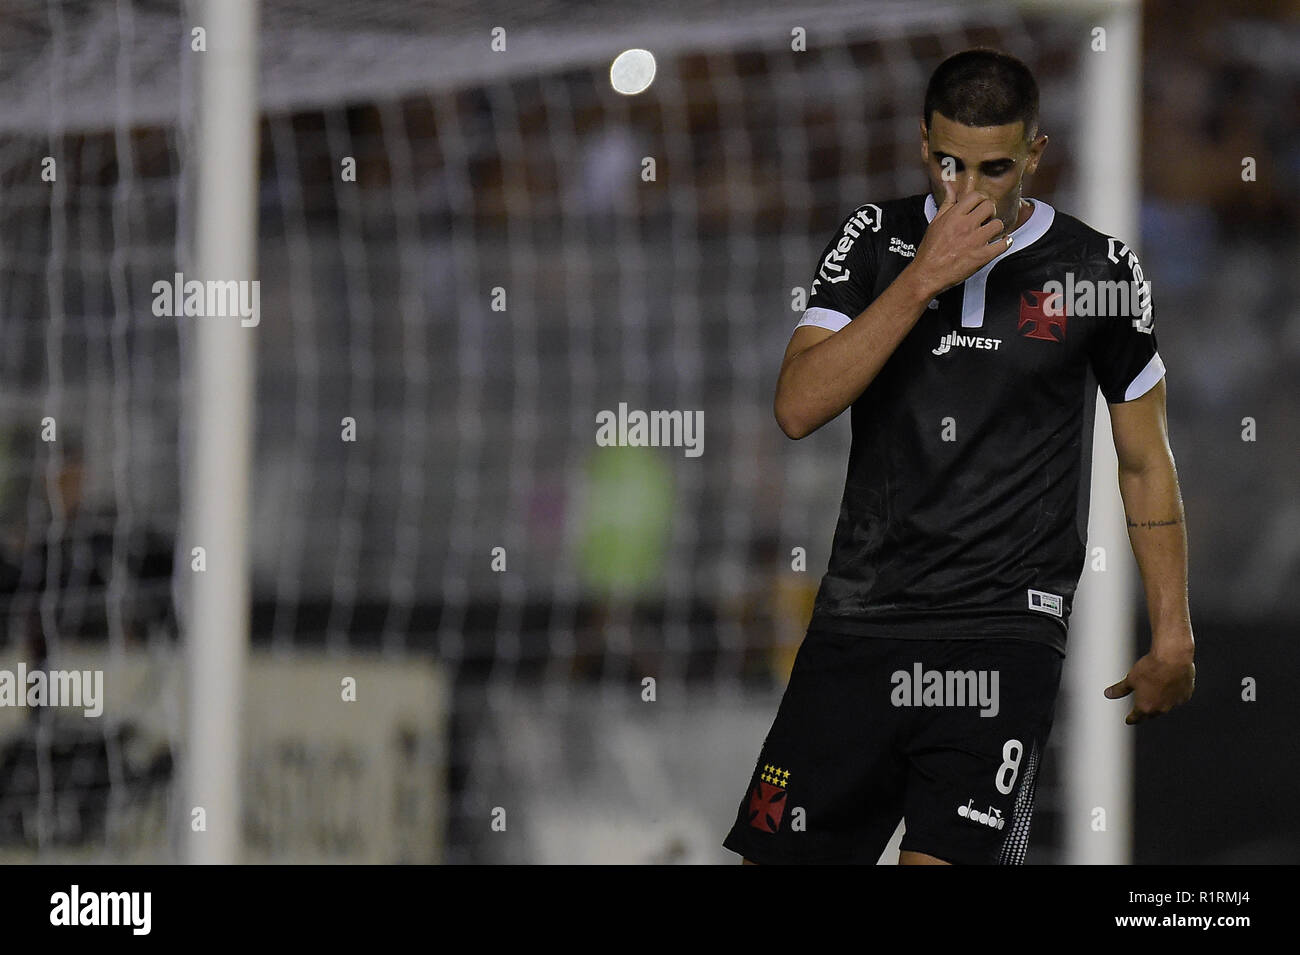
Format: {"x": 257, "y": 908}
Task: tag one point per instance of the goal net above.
{"x": 471, "y": 252}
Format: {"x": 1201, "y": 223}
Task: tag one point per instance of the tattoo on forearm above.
{"x": 1133, "y": 523}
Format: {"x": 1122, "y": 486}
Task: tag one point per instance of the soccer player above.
{"x": 968, "y": 330}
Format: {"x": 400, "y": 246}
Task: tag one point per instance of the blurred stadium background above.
{"x": 521, "y": 170}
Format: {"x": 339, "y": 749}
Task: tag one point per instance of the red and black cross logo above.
{"x": 1043, "y": 312}
{"x": 767, "y": 799}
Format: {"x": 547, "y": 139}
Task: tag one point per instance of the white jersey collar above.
{"x": 1039, "y": 221}
{"x": 972, "y": 308}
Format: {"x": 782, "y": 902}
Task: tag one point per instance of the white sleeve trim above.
{"x": 824, "y": 318}
{"x": 1146, "y": 379}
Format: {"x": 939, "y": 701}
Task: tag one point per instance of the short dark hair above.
{"x": 983, "y": 87}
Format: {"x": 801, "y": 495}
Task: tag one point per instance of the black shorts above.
{"x": 859, "y": 741}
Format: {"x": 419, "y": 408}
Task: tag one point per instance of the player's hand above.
{"x": 962, "y": 238}
{"x": 1158, "y": 684}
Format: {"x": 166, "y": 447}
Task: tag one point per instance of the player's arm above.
{"x": 1148, "y": 484}
{"x": 824, "y": 372}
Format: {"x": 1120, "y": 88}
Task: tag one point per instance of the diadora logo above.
{"x": 1047, "y": 603}
{"x": 832, "y": 270}
{"x": 953, "y": 340}
{"x": 1042, "y": 311}
{"x": 905, "y": 249}
{"x": 992, "y": 818}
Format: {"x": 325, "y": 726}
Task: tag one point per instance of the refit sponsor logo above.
{"x": 832, "y": 269}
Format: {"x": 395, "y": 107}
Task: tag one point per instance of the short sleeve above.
{"x": 1123, "y": 350}
{"x": 846, "y": 271}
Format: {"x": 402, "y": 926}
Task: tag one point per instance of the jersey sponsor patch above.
{"x": 905, "y": 249}
{"x": 956, "y": 340}
{"x": 1047, "y": 603}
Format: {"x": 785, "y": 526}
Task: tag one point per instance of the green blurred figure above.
{"x": 626, "y": 524}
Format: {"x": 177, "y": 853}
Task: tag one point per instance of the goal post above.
{"x": 1099, "y": 770}
{"x": 218, "y": 439}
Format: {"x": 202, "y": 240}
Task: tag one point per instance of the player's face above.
{"x": 991, "y": 160}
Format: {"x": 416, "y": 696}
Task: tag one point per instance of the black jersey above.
{"x": 965, "y": 509}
